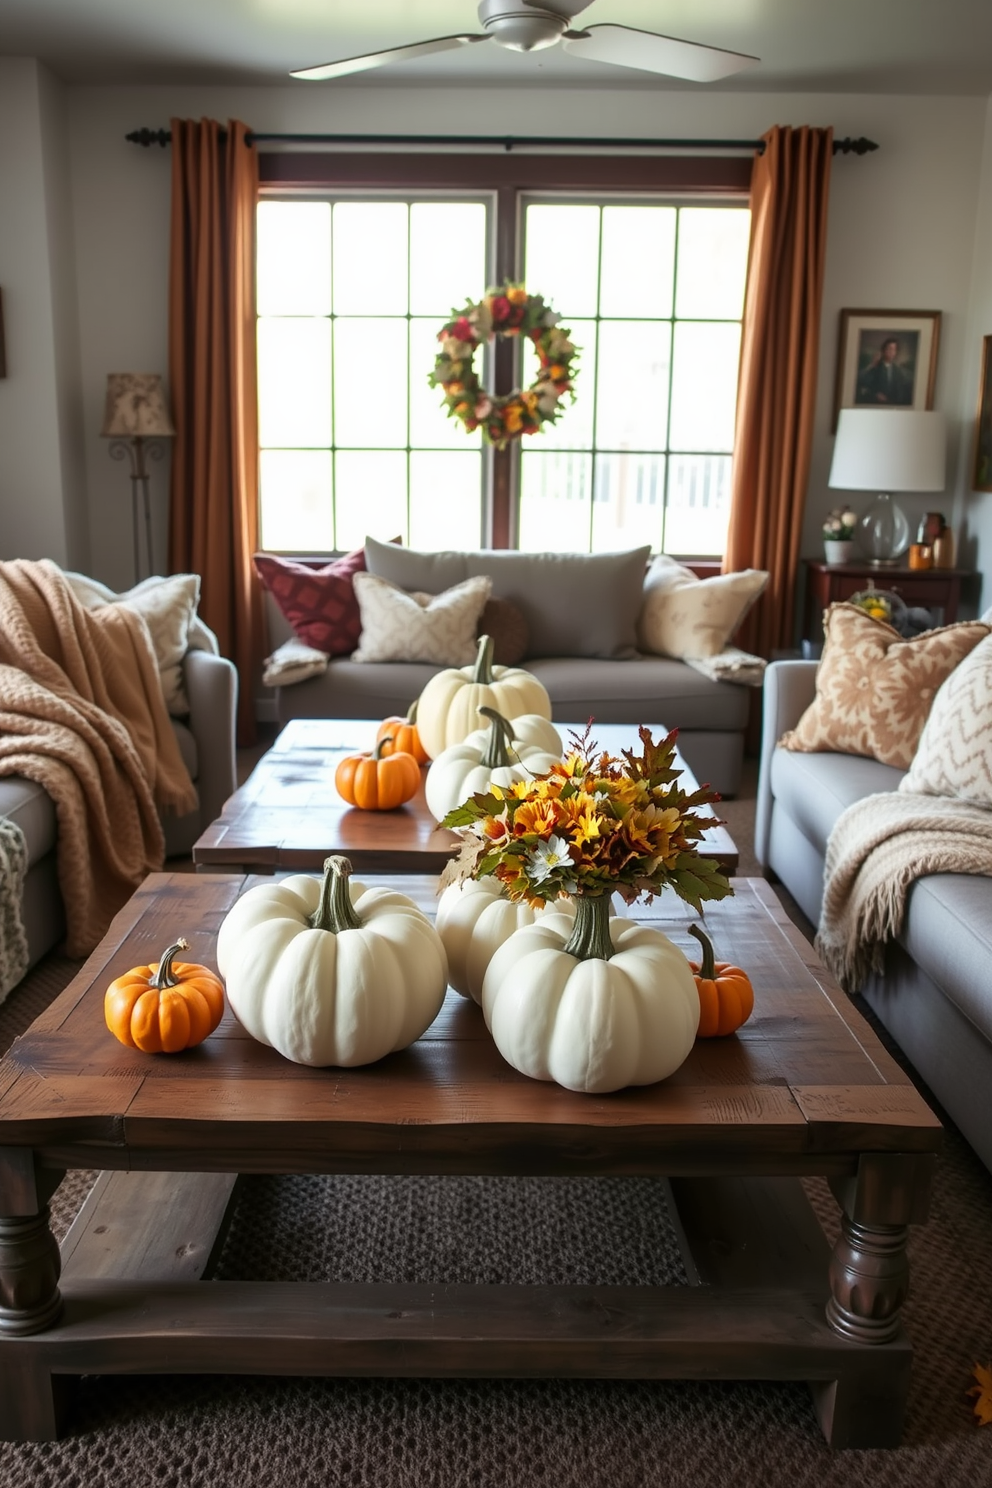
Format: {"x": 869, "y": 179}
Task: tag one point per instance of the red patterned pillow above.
{"x": 319, "y": 603}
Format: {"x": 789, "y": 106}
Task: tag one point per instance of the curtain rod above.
{"x": 163, "y": 137}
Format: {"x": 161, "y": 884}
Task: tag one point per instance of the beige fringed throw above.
{"x": 82, "y": 713}
{"x": 877, "y": 850}
{"x": 13, "y": 937}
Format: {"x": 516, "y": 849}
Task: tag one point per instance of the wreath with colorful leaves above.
{"x": 507, "y": 311}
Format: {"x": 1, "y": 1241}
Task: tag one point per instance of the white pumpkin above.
{"x": 473, "y": 920}
{"x": 591, "y": 1024}
{"x": 487, "y": 758}
{"x": 448, "y": 707}
{"x": 330, "y": 972}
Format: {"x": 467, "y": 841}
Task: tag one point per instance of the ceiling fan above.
{"x": 530, "y": 25}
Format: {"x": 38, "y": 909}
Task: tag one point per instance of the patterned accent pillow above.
{"x": 397, "y": 626}
{"x": 692, "y": 618}
{"x": 874, "y": 690}
{"x": 319, "y": 603}
{"x": 954, "y": 756}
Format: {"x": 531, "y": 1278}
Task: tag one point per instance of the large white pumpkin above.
{"x": 592, "y": 1024}
{"x": 448, "y": 707}
{"x": 488, "y": 757}
{"x": 330, "y": 972}
{"x": 473, "y": 920}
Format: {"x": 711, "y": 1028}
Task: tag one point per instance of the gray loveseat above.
{"x": 206, "y": 741}
{"x": 581, "y": 615}
{"x": 935, "y": 997}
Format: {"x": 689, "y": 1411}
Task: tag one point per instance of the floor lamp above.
{"x": 136, "y": 413}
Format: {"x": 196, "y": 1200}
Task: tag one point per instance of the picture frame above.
{"x": 982, "y": 463}
{"x": 886, "y": 358}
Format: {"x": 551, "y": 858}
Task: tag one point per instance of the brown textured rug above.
{"x": 166, "y": 1432}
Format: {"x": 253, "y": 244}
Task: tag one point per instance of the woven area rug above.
{"x": 166, "y": 1432}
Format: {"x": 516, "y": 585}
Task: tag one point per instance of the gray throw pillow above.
{"x": 575, "y": 604}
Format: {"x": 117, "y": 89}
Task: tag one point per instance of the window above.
{"x": 351, "y": 295}
{"x": 653, "y": 295}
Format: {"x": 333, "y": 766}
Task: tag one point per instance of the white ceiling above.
{"x": 888, "y": 46}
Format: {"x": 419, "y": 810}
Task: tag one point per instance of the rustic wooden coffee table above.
{"x": 289, "y": 815}
{"x": 803, "y": 1088}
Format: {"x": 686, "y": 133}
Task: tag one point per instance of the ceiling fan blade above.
{"x": 626, "y": 47}
{"x": 394, "y": 54}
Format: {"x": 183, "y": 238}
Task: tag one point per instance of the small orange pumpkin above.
{"x": 401, "y": 734}
{"x": 165, "y": 1007}
{"x": 377, "y": 781}
{"x": 726, "y": 997}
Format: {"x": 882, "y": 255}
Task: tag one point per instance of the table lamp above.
{"x": 887, "y": 450}
{"x": 137, "y": 411}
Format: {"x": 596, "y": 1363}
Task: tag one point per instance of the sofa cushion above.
{"x": 319, "y": 603}
{"x": 691, "y": 618}
{"x": 439, "y": 628}
{"x": 813, "y": 789}
{"x": 33, "y": 809}
{"x": 647, "y": 689}
{"x": 954, "y": 755}
{"x": 948, "y": 933}
{"x": 874, "y": 690}
{"x": 506, "y": 623}
{"x": 168, "y": 607}
{"x": 575, "y": 604}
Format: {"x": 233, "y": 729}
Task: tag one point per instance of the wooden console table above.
{"x": 935, "y": 589}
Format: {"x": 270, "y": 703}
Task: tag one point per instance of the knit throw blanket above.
{"x": 13, "y": 937}
{"x": 877, "y": 850}
{"x": 82, "y": 714}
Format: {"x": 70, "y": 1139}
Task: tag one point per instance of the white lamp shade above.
{"x": 889, "y": 449}
{"x": 136, "y": 406}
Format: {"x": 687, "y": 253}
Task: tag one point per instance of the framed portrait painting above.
{"x": 982, "y": 471}
{"x": 886, "y": 359}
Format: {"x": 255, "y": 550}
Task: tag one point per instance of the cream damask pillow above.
{"x": 397, "y": 626}
{"x": 954, "y": 756}
{"x": 874, "y": 690}
{"x": 692, "y": 618}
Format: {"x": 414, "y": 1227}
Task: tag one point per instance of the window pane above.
{"x": 574, "y": 427}
{"x": 429, "y": 422}
{"x": 445, "y": 499}
{"x": 370, "y": 392}
{"x": 713, "y": 245}
{"x": 294, "y": 382}
{"x": 629, "y": 502}
{"x": 632, "y": 385}
{"x": 293, "y": 256}
{"x": 563, "y": 257}
{"x": 297, "y": 507}
{"x": 638, "y": 261}
{"x": 554, "y": 502}
{"x": 704, "y": 385}
{"x": 370, "y": 258}
{"x": 447, "y": 257}
{"x": 370, "y": 496}
{"x": 698, "y": 504}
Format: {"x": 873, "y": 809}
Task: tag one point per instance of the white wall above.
{"x": 902, "y": 230}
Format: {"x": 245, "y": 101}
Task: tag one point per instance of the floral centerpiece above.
{"x": 840, "y": 525}
{"x": 506, "y": 311}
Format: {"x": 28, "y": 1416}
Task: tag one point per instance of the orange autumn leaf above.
{"x": 983, "y": 1392}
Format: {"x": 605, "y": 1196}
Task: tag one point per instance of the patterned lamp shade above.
{"x": 136, "y": 407}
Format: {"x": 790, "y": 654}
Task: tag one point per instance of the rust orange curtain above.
{"x": 777, "y": 389}
{"x": 213, "y": 520}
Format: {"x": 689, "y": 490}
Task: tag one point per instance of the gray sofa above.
{"x": 581, "y": 615}
{"x": 206, "y": 741}
{"x": 934, "y": 997}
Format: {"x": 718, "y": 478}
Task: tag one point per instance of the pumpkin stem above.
{"x": 590, "y": 937}
{"x": 164, "y": 976}
{"x": 376, "y": 755}
{"x": 484, "y": 662}
{"x": 411, "y": 712}
{"x": 335, "y": 912}
{"x": 707, "y": 969}
{"x": 496, "y": 753}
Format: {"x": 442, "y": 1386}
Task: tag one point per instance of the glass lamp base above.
{"x": 883, "y": 533}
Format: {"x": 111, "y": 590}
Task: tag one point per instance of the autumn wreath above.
{"x": 507, "y": 311}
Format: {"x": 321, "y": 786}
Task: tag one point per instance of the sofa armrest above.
{"x": 212, "y": 688}
{"x": 790, "y": 687}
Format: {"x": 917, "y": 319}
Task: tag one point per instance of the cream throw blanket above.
{"x": 82, "y": 713}
{"x": 877, "y": 850}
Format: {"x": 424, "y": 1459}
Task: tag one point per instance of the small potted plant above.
{"x": 839, "y": 527}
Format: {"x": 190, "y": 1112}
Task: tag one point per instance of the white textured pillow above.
{"x": 692, "y": 618}
{"x": 168, "y": 608}
{"x": 293, "y": 661}
{"x": 397, "y": 626}
{"x": 954, "y": 755}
